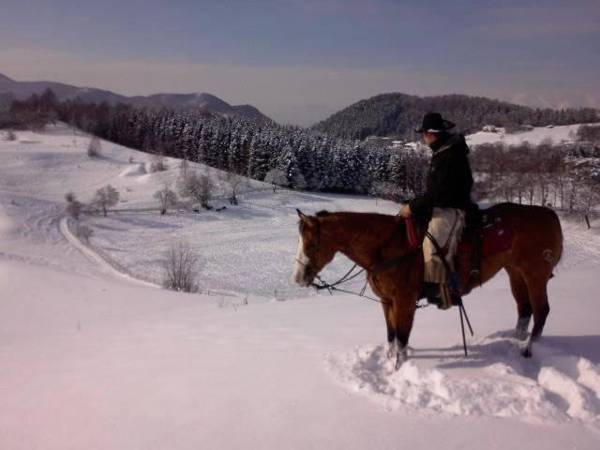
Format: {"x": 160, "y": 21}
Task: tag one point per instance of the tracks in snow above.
{"x": 493, "y": 381}
{"x": 95, "y": 257}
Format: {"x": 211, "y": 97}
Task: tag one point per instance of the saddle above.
{"x": 485, "y": 234}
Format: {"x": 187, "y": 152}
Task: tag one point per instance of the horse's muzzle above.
{"x": 304, "y": 275}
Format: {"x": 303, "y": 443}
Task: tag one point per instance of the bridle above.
{"x": 351, "y": 274}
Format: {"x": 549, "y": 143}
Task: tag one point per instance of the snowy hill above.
{"x": 396, "y": 115}
{"x": 91, "y": 359}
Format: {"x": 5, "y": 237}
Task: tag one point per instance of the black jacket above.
{"x": 449, "y": 180}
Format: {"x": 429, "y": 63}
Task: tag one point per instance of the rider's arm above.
{"x": 437, "y": 186}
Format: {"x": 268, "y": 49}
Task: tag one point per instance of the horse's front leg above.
{"x": 405, "y": 313}
{"x": 401, "y": 356}
{"x": 390, "y": 323}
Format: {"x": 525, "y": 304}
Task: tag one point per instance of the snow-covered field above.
{"x": 92, "y": 358}
{"x": 556, "y": 135}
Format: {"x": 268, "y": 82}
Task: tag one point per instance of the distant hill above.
{"x": 396, "y": 115}
{"x": 20, "y": 90}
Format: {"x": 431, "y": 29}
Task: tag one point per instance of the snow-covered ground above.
{"x": 556, "y": 135}
{"x": 91, "y": 358}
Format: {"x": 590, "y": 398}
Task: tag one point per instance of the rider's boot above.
{"x": 440, "y": 294}
{"x": 431, "y": 291}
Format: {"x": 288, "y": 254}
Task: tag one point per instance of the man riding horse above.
{"x": 443, "y": 206}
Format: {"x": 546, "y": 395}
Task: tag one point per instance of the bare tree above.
{"x": 529, "y": 183}
{"x": 588, "y": 200}
{"x": 180, "y": 268}
{"x": 276, "y": 177}
{"x": 73, "y": 205}
{"x": 94, "y": 148}
{"x": 197, "y": 187}
{"x": 166, "y": 198}
{"x": 235, "y": 183}
{"x": 106, "y": 197}
{"x": 561, "y": 180}
{"x": 158, "y": 163}
{"x": 10, "y": 136}
{"x": 544, "y": 181}
{"x": 184, "y": 167}
{"x": 299, "y": 182}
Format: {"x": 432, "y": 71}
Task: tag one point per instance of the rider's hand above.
{"x": 405, "y": 211}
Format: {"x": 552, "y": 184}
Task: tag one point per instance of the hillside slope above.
{"x": 397, "y": 114}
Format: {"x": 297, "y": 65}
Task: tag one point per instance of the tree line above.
{"x": 284, "y": 155}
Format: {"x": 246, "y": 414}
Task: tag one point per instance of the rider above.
{"x": 443, "y": 205}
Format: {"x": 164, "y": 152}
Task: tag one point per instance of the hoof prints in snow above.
{"x": 560, "y": 388}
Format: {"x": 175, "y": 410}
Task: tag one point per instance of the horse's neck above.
{"x": 347, "y": 235}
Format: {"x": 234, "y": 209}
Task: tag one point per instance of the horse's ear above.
{"x": 305, "y": 220}
{"x": 301, "y": 214}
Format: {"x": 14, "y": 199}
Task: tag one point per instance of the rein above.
{"x": 330, "y": 287}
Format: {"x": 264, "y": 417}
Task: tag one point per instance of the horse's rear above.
{"x": 536, "y": 249}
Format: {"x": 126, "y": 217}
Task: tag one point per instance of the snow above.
{"x": 93, "y": 358}
{"x": 507, "y": 388}
{"x": 134, "y": 170}
{"x": 557, "y": 135}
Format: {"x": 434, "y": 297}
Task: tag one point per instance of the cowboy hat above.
{"x": 433, "y": 122}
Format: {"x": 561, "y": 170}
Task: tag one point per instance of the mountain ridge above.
{"x": 20, "y": 90}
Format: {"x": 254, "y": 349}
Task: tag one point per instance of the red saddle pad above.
{"x": 497, "y": 237}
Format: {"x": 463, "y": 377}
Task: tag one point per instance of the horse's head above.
{"x": 314, "y": 252}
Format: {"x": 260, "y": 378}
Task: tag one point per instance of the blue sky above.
{"x": 298, "y": 61}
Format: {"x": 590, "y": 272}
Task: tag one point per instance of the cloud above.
{"x": 294, "y": 94}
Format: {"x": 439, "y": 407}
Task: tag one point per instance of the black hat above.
{"x": 434, "y": 123}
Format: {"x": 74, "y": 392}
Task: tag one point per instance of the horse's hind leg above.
{"x": 521, "y": 295}
{"x": 538, "y": 297}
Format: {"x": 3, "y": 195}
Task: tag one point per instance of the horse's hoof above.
{"x": 400, "y": 358}
{"x": 392, "y": 352}
{"x": 526, "y": 353}
{"x": 398, "y": 364}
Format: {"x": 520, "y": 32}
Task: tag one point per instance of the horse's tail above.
{"x": 558, "y": 229}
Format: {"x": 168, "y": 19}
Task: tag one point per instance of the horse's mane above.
{"x": 361, "y": 219}
{"x": 384, "y": 231}
{"x": 325, "y": 213}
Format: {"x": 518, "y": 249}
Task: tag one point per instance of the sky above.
{"x": 299, "y": 61}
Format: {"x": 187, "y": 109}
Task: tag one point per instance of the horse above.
{"x": 379, "y": 244}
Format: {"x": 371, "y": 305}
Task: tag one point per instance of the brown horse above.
{"x": 370, "y": 240}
